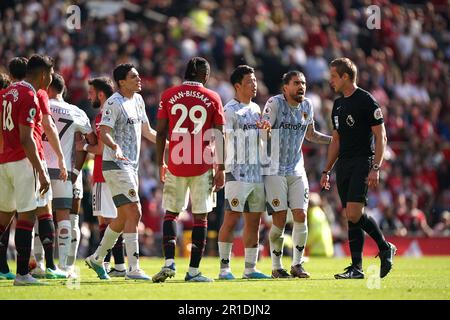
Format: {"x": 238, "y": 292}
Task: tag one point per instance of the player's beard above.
{"x": 297, "y": 97}
{"x": 96, "y": 104}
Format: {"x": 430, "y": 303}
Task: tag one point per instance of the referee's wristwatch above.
{"x": 375, "y": 167}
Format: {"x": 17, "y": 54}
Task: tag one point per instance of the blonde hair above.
{"x": 345, "y": 65}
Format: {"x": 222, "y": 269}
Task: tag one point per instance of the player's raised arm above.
{"x": 317, "y": 137}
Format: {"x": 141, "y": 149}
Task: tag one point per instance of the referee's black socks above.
{"x": 369, "y": 225}
{"x": 356, "y": 243}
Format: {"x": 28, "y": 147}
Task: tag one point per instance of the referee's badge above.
{"x": 350, "y": 121}
{"x": 377, "y": 114}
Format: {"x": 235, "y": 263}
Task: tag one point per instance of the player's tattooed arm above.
{"x": 317, "y": 137}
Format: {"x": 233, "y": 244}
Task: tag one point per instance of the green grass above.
{"x": 411, "y": 278}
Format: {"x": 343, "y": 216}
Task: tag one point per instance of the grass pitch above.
{"x": 411, "y": 278}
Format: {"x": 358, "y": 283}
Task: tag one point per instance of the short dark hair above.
{"x": 17, "y": 67}
{"x": 238, "y": 74}
{"x": 5, "y": 81}
{"x": 103, "y": 84}
{"x": 38, "y": 63}
{"x": 58, "y": 83}
{"x": 289, "y": 75}
{"x": 196, "y": 69}
{"x": 345, "y": 65}
{"x": 121, "y": 71}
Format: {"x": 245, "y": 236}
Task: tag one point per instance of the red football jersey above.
{"x": 19, "y": 106}
{"x": 97, "y": 175}
{"x": 191, "y": 110}
{"x": 1, "y": 130}
{"x": 38, "y": 129}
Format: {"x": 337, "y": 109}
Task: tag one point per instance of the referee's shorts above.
{"x": 352, "y": 179}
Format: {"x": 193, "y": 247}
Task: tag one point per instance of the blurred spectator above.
{"x": 442, "y": 228}
{"x": 411, "y": 217}
{"x": 320, "y": 238}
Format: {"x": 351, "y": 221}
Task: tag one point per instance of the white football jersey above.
{"x": 68, "y": 119}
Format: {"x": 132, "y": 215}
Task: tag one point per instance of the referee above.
{"x": 356, "y": 119}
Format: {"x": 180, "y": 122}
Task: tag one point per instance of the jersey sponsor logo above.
{"x": 276, "y": 203}
{"x": 350, "y": 121}
{"x": 377, "y": 114}
{"x": 249, "y": 126}
{"x": 132, "y": 193}
{"x": 291, "y": 126}
{"x": 132, "y": 121}
{"x": 234, "y": 202}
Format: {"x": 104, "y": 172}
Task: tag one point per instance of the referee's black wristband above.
{"x": 326, "y": 172}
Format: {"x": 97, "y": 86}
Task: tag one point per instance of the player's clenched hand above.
{"x": 44, "y": 181}
{"x": 373, "y": 178}
{"x": 162, "y": 172}
{"x": 118, "y": 153}
{"x": 62, "y": 170}
{"x": 264, "y": 124}
{"x": 325, "y": 181}
{"x": 79, "y": 145}
{"x": 219, "y": 180}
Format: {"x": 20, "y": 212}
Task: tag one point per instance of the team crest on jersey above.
{"x": 276, "y": 203}
{"x": 377, "y": 114}
{"x": 350, "y": 121}
{"x": 160, "y": 105}
{"x": 132, "y": 193}
{"x": 234, "y": 202}
{"x": 267, "y": 110}
{"x": 107, "y": 112}
{"x": 305, "y": 115}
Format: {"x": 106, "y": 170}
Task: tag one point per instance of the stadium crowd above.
{"x": 404, "y": 64}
